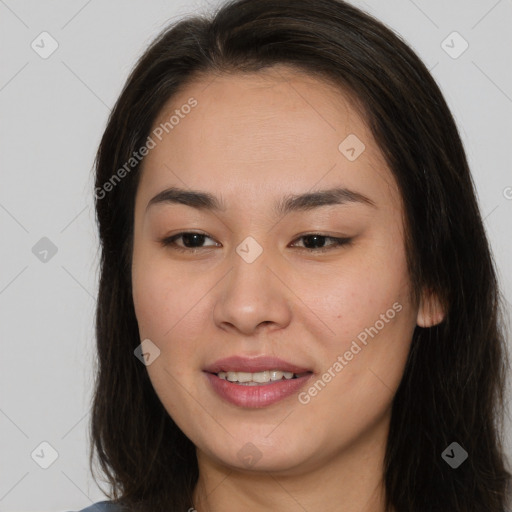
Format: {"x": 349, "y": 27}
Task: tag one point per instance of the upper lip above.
{"x": 253, "y": 365}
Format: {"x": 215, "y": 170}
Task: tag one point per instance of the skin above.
{"x": 252, "y": 139}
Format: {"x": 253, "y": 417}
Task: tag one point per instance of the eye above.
{"x": 317, "y": 239}
{"x": 193, "y": 241}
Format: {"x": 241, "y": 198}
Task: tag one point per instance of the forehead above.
{"x": 271, "y": 130}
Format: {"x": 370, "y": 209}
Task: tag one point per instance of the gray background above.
{"x": 53, "y": 112}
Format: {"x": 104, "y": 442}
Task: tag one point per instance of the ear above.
{"x": 430, "y": 311}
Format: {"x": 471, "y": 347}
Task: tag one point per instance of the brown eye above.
{"x": 315, "y": 242}
{"x": 190, "y": 240}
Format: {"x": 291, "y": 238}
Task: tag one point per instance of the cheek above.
{"x": 159, "y": 292}
{"x": 372, "y": 321}
{"x": 150, "y": 298}
{"x": 161, "y": 305}
{"x": 363, "y": 289}
{"x": 168, "y": 308}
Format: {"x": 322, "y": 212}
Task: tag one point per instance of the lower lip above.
{"x": 256, "y": 396}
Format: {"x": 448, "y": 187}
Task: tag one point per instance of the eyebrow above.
{"x": 290, "y": 203}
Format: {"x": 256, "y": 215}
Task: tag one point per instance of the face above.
{"x": 316, "y": 286}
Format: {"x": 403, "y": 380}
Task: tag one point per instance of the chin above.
{"x": 285, "y": 453}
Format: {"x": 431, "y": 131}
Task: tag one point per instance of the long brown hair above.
{"x": 454, "y": 380}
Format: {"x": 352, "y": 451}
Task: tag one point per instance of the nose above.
{"x": 253, "y": 295}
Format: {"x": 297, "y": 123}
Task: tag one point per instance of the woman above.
{"x": 298, "y": 308}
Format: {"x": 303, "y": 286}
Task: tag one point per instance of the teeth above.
{"x": 253, "y": 379}
{"x": 231, "y": 376}
{"x": 276, "y": 375}
{"x": 261, "y": 376}
{"x": 243, "y": 377}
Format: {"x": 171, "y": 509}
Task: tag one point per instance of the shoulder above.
{"x": 102, "y": 506}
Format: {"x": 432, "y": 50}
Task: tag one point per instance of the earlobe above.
{"x": 430, "y": 311}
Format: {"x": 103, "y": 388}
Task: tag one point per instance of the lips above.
{"x": 254, "y": 365}
{"x": 259, "y": 396}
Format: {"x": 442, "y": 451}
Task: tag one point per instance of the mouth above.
{"x": 257, "y": 382}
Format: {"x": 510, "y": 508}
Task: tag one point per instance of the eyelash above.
{"x": 170, "y": 242}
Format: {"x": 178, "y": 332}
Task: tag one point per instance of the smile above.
{"x": 252, "y": 394}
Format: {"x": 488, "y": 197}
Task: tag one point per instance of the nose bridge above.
{"x": 251, "y": 294}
